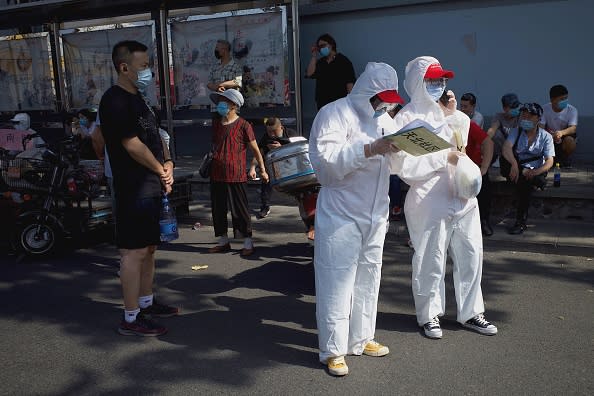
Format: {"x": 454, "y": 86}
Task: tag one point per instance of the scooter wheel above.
{"x": 38, "y": 239}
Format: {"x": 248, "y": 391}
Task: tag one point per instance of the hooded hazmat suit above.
{"x": 437, "y": 219}
{"x": 351, "y": 214}
{"x": 22, "y": 122}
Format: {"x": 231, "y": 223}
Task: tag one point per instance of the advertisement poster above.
{"x": 26, "y": 74}
{"x": 88, "y": 68}
{"x": 257, "y": 44}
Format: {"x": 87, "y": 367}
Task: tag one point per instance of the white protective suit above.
{"x": 438, "y": 221}
{"x": 351, "y": 214}
{"x": 32, "y": 150}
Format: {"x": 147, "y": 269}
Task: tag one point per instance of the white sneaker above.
{"x": 432, "y": 328}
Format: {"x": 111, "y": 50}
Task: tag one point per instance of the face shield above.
{"x": 385, "y": 102}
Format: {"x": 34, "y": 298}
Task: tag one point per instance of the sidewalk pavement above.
{"x": 570, "y": 234}
{"x": 572, "y": 237}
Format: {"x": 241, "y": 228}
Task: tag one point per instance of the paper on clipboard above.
{"x": 418, "y": 138}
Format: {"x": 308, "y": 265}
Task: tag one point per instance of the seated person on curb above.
{"x": 468, "y": 107}
{"x": 559, "y": 118}
{"x": 480, "y": 151}
{"x": 503, "y": 122}
{"x": 276, "y": 135}
{"x": 529, "y": 149}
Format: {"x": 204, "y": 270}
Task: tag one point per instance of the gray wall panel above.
{"x": 524, "y": 47}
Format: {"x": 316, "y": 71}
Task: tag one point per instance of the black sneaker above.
{"x": 486, "y": 228}
{"x": 481, "y": 325}
{"x": 141, "y": 327}
{"x": 159, "y": 311}
{"x": 433, "y": 329}
{"x": 517, "y": 229}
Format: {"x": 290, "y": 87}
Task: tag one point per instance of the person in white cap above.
{"x": 347, "y": 153}
{"x": 231, "y": 136}
{"x": 439, "y": 219}
{"x": 33, "y": 148}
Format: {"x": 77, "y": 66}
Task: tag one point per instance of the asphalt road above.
{"x": 248, "y": 325}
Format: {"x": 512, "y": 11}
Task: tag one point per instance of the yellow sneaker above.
{"x": 374, "y": 348}
{"x": 337, "y": 366}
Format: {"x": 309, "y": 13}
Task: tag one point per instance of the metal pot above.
{"x": 289, "y": 168}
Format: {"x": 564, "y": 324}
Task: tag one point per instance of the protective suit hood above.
{"x": 420, "y": 101}
{"x": 22, "y": 121}
{"x": 376, "y": 78}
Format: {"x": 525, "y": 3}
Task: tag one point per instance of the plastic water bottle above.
{"x": 557, "y": 176}
{"x": 167, "y": 221}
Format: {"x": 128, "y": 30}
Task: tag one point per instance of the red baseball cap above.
{"x": 390, "y": 96}
{"x": 436, "y": 71}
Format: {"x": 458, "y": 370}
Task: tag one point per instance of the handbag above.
{"x": 204, "y": 169}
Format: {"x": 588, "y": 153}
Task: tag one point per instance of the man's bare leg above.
{"x": 130, "y": 275}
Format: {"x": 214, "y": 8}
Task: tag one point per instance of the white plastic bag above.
{"x": 467, "y": 178}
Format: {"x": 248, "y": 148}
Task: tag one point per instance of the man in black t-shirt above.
{"x": 333, "y": 72}
{"x": 141, "y": 169}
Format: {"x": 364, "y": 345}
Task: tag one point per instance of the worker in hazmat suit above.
{"x": 441, "y": 218}
{"x": 35, "y": 146}
{"x": 347, "y": 151}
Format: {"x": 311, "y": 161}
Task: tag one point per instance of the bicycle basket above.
{"x": 26, "y": 174}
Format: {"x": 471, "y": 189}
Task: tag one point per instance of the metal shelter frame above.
{"x": 56, "y": 14}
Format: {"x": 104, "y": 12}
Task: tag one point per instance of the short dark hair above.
{"x": 327, "y": 38}
{"x": 226, "y": 43}
{"x": 122, "y": 52}
{"x": 272, "y": 121}
{"x": 469, "y": 96}
{"x": 557, "y": 90}
{"x": 510, "y": 100}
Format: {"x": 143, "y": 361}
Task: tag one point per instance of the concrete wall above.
{"x": 494, "y": 47}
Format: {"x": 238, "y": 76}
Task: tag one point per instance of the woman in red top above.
{"x": 231, "y": 137}
{"x": 480, "y": 151}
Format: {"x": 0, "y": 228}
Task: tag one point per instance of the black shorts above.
{"x": 137, "y": 223}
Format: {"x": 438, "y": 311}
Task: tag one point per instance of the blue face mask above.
{"x": 563, "y": 104}
{"x": 526, "y": 125}
{"x": 435, "y": 88}
{"x": 514, "y": 112}
{"x": 83, "y": 122}
{"x": 222, "y": 108}
{"x": 435, "y": 91}
{"x": 379, "y": 112}
{"x": 144, "y": 78}
{"x": 325, "y": 51}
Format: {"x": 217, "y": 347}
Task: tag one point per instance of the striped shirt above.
{"x": 229, "y": 160}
